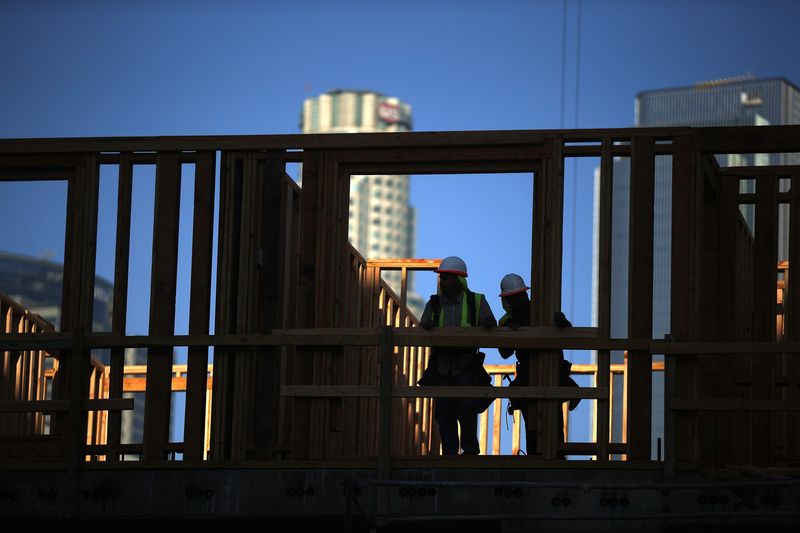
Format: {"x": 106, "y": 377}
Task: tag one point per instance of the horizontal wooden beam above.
{"x": 36, "y": 341}
{"x": 617, "y": 150}
{"x": 571, "y": 338}
{"x": 140, "y": 384}
{"x": 747, "y": 139}
{"x": 579, "y": 338}
{"x": 62, "y": 406}
{"x": 734, "y": 404}
{"x": 754, "y": 172}
{"x": 750, "y": 198}
{"x": 580, "y": 369}
{"x": 727, "y": 348}
{"x": 327, "y": 140}
{"x": 591, "y": 448}
{"x": 130, "y": 449}
{"x": 410, "y": 264}
{"x": 367, "y": 391}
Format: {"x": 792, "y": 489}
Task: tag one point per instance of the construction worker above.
{"x": 514, "y": 295}
{"x": 455, "y": 305}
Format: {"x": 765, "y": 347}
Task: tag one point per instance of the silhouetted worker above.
{"x": 514, "y": 295}
{"x": 455, "y": 305}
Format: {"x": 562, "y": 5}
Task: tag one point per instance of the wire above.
{"x": 573, "y": 236}
{"x": 578, "y": 63}
{"x": 563, "y": 59}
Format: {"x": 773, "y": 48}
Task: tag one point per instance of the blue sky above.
{"x": 82, "y": 68}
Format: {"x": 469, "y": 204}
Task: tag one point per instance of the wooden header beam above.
{"x": 327, "y": 140}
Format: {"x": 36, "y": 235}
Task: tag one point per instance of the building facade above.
{"x": 741, "y": 101}
{"x": 382, "y": 223}
{"x": 36, "y": 284}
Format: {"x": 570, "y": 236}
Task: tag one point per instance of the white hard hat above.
{"x": 452, "y": 265}
{"x": 512, "y": 284}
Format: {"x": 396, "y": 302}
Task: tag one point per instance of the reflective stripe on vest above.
{"x": 465, "y": 311}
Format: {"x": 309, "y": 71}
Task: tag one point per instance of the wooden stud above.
{"x": 162, "y": 305}
{"x": 76, "y": 313}
{"x": 199, "y": 306}
{"x": 548, "y": 218}
{"x": 708, "y": 301}
{"x": 224, "y": 361}
{"x": 483, "y": 430}
{"x": 119, "y": 311}
{"x": 792, "y": 306}
{"x": 497, "y": 413}
{"x": 603, "y": 374}
{"x": 724, "y": 432}
{"x": 516, "y": 433}
{"x": 385, "y": 404}
{"x": 640, "y": 296}
{"x": 766, "y": 254}
{"x": 306, "y": 299}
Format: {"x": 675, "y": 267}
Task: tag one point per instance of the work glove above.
{"x": 561, "y": 321}
{"x": 427, "y": 324}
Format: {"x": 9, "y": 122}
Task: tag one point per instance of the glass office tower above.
{"x": 741, "y": 101}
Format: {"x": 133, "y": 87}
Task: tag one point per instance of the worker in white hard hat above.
{"x": 514, "y": 295}
{"x": 455, "y": 305}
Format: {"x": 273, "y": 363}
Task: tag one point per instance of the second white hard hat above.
{"x": 452, "y": 265}
{"x": 512, "y": 284}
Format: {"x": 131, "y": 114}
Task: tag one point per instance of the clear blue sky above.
{"x": 85, "y": 68}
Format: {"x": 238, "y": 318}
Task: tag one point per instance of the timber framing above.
{"x": 316, "y": 358}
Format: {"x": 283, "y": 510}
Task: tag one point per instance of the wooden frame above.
{"x": 296, "y": 259}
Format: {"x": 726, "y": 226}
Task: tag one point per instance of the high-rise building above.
{"x": 740, "y": 101}
{"x": 36, "y": 284}
{"x": 382, "y": 222}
